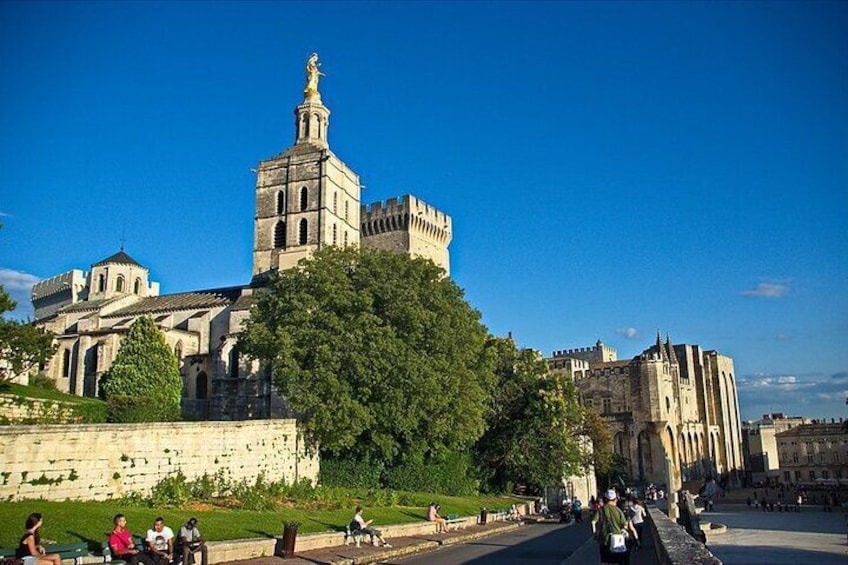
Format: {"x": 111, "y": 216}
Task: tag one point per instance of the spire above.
{"x": 311, "y": 116}
{"x": 660, "y": 349}
{"x": 671, "y": 354}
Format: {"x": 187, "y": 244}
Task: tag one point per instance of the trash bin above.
{"x": 289, "y": 537}
{"x": 484, "y": 515}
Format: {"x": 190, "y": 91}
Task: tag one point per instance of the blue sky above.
{"x": 611, "y": 168}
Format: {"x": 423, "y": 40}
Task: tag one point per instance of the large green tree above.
{"x": 535, "y": 423}
{"x": 143, "y": 384}
{"x": 378, "y": 353}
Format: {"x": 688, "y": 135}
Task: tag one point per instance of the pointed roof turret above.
{"x": 672, "y": 356}
{"x": 120, "y": 258}
{"x": 660, "y": 348}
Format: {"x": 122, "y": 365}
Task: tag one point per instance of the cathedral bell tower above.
{"x": 306, "y": 197}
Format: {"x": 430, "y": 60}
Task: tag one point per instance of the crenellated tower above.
{"x": 408, "y": 225}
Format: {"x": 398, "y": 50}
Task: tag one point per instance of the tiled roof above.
{"x": 180, "y": 301}
{"x": 244, "y": 302}
{"x": 85, "y": 306}
{"x": 120, "y": 258}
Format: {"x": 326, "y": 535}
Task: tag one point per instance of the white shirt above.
{"x": 160, "y": 539}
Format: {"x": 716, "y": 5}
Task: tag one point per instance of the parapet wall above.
{"x": 103, "y": 461}
{"x": 673, "y": 546}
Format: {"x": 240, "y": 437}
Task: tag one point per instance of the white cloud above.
{"x": 19, "y": 286}
{"x": 766, "y": 290}
{"x": 811, "y": 395}
{"x": 4, "y": 214}
{"x": 629, "y": 333}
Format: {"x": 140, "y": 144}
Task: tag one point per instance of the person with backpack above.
{"x": 611, "y": 528}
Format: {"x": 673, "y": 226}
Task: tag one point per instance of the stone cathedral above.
{"x": 306, "y": 198}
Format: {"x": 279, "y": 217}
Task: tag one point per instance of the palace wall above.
{"x": 104, "y": 461}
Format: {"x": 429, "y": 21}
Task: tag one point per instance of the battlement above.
{"x": 598, "y": 353}
{"x": 59, "y": 283}
{"x": 406, "y": 213}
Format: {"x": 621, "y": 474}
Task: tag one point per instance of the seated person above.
{"x": 359, "y": 524}
{"x": 122, "y": 546}
{"x": 160, "y": 542}
{"x": 433, "y": 516}
{"x": 191, "y": 542}
{"x": 30, "y": 548}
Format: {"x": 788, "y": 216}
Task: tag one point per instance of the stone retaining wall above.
{"x": 103, "y": 461}
{"x": 16, "y": 409}
{"x": 673, "y": 545}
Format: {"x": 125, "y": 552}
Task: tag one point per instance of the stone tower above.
{"x": 408, "y": 225}
{"x": 306, "y": 197}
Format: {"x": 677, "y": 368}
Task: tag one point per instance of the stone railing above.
{"x": 673, "y": 545}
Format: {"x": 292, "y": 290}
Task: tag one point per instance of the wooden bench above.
{"x": 455, "y": 520}
{"x": 75, "y": 551}
{"x": 353, "y": 536}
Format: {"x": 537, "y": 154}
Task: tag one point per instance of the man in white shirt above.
{"x": 160, "y": 542}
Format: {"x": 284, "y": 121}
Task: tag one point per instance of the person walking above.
{"x": 610, "y": 525}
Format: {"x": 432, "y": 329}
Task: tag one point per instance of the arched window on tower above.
{"x": 303, "y": 232}
{"x": 346, "y": 207}
{"x": 304, "y": 198}
{"x": 119, "y": 283}
{"x": 335, "y": 203}
{"x": 281, "y": 203}
{"x": 345, "y": 239}
{"x": 335, "y": 234}
{"x": 137, "y": 286}
{"x": 280, "y": 235}
{"x": 101, "y": 283}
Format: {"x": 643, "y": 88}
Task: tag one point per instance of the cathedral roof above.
{"x": 120, "y": 258}
{"x": 86, "y": 305}
{"x": 180, "y": 301}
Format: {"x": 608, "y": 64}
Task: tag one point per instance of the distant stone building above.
{"x": 815, "y": 453}
{"x": 759, "y": 445}
{"x": 306, "y": 199}
{"x": 676, "y": 403}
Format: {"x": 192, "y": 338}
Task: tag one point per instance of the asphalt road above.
{"x": 538, "y": 544}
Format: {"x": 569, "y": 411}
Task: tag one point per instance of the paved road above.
{"x": 777, "y": 538}
{"x": 539, "y": 544}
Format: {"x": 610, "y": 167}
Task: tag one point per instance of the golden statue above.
{"x": 312, "y": 75}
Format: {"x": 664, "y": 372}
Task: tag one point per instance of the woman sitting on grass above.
{"x": 30, "y": 548}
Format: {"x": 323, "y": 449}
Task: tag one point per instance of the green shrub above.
{"x": 350, "y": 473}
{"x": 451, "y": 476}
{"x": 42, "y": 381}
{"x": 143, "y": 384}
{"x": 173, "y": 490}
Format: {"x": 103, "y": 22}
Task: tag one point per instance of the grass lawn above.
{"x": 45, "y": 394}
{"x": 68, "y": 522}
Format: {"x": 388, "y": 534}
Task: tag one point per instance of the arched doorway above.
{"x": 202, "y": 386}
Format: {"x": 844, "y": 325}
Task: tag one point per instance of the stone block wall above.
{"x": 19, "y": 410}
{"x": 103, "y": 461}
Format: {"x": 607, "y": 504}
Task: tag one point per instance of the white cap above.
{"x": 611, "y": 495}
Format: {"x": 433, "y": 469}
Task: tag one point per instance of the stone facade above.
{"x": 815, "y": 453}
{"x": 306, "y": 199}
{"x": 759, "y": 444}
{"x": 670, "y": 402}
{"x": 103, "y": 461}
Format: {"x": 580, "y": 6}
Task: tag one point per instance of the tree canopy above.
{"x": 535, "y": 425}
{"x": 22, "y": 345}
{"x": 378, "y": 353}
{"x": 143, "y": 384}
